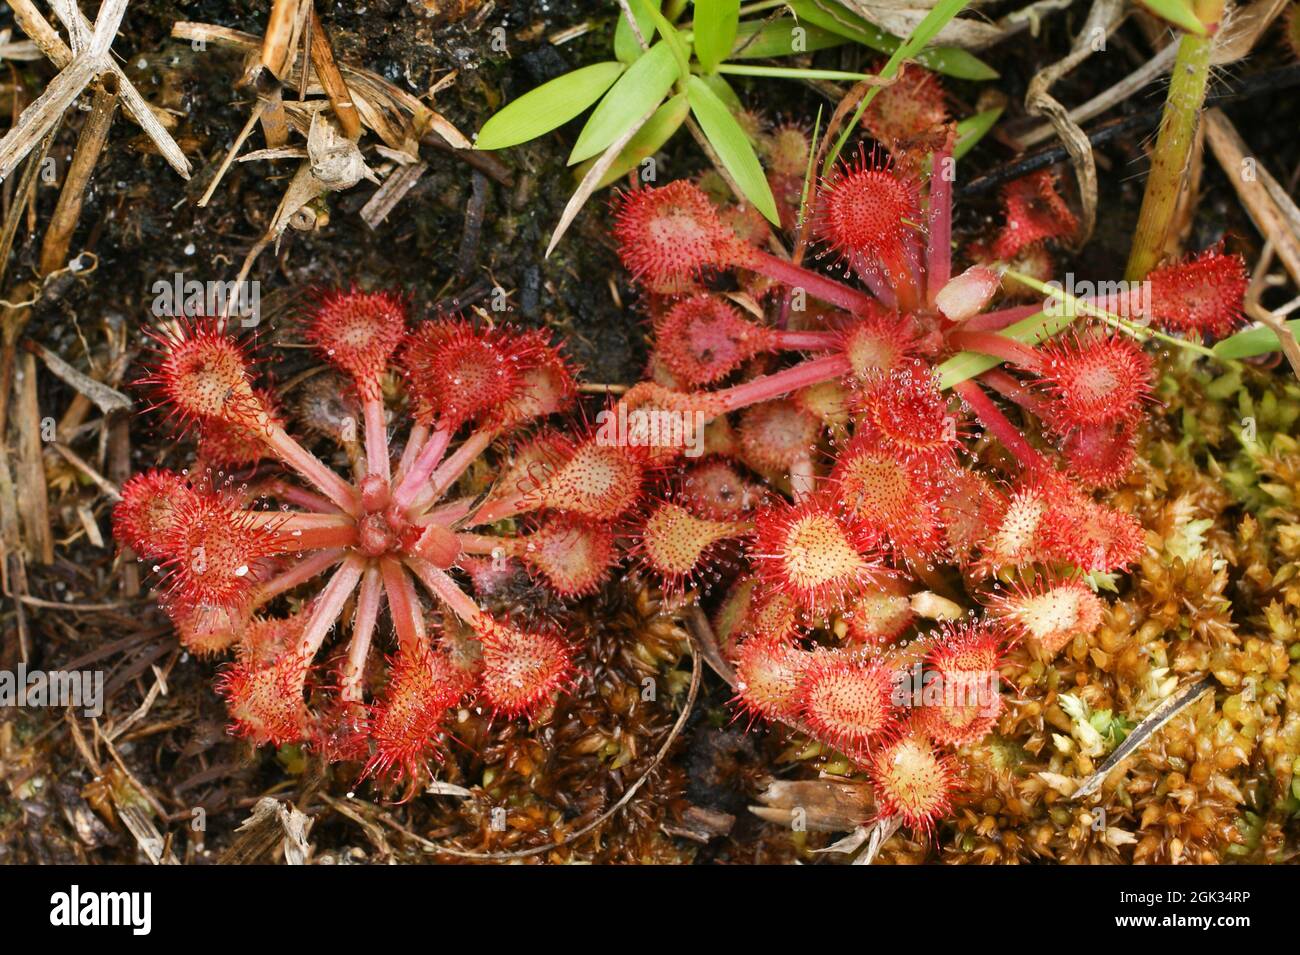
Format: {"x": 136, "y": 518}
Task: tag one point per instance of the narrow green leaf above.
{"x": 716, "y": 22}
{"x": 972, "y": 129}
{"x": 949, "y": 60}
{"x": 674, "y": 40}
{"x": 733, "y": 147}
{"x": 722, "y": 89}
{"x": 1177, "y": 12}
{"x": 810, "y": 170}
{"x": 923, "y": 33}
{"x": 643, "y": 84}
{"x": 626, "y": 47}
{"x": 791, "y": 72}
{"x": 1254, "y": 341}
{"x": 649, "y": 139}
{"x": 958, "y": 63}
{"x": 763, "y": 39}
{"x": 549, "y": 106}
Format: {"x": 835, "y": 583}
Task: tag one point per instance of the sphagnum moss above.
{"x": 1217, "y": 487}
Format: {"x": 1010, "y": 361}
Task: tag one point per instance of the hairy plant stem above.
{"x": 1044, "y": 324}
{"x": 403, "y": 604}
{"x": 299, "y": 497}
{"x": 1074, "y": 307}
{"x": 1002, "y": 347}
{"x": 288, "y": 450}
{"x": 414, "y": 442}
{"x": 351, "y": 689}
{"x": 806, "y": 373}
{"x": 1012, "y": 389}
{"x": 938, "y": 246}
{"x": 372, "y": 408}
{"x": 412, "y": 484}
{"x": 996, "y": 321}
{"x": 328, "y": 606}
{"x": 814, "y": 283}
{"x": 484, "y": 545}
{"x": 1173, "y": 149}
{"x": 448, "y": 472}
{"x": 810, "y": 341}
{"x": 298, "y": 574}
{"x": 998, "y": 425}
{"x": 446, "y": 590}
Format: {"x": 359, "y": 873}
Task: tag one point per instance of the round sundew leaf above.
{"x": 549, "y": 106}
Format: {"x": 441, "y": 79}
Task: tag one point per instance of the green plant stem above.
{"x": 1077, "y": 306}
{"x": 1043, "y": 325}
{"x": 1169, "y": 161}
{"x": 791, "y": 73}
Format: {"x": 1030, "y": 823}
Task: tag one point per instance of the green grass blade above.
{"x": 1254, "y": 341}
{"x": 648, "y": 140}
{"x": 791, "y": 73}
{"x": 723, "y": 91}
{"x": 549, "y": 106}
{"x": 681, "y": 49}
{"x": 925, "y": 31}
{"x": 733, "y": 147}
{"x": 716, "y": 22}
{"x": 1177, "y": 12}
{"x": 831, "y": 16}
{"x": 626, "y": 47}
{"x": 641, "y": 86}
{"x": 760, "y": 40}
{"x": 974, "y": 128}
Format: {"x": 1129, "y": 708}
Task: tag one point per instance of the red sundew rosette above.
{"x": 703, "y": 338}
{"x": 202, "y": 376}
{"x": 670, "y": 236}
{"x": 913, "y": 781}
{"x": 523, "y": 671}
{"x": 867, "y": 214}
{"x": 404, "y": 725}
{"x": 1035, "y": 213}
{"x": 571, "y": 553}
{"x": 901, "y": 497}
{"x": 358, "y": 333}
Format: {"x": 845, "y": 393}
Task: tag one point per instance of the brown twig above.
{"x": 327, "y": 71}
{"x": 90, "y": 144}
{"x": 33, "y": 492}
{"x": 76, "y": 72}
{"x": 283, "y": 27}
